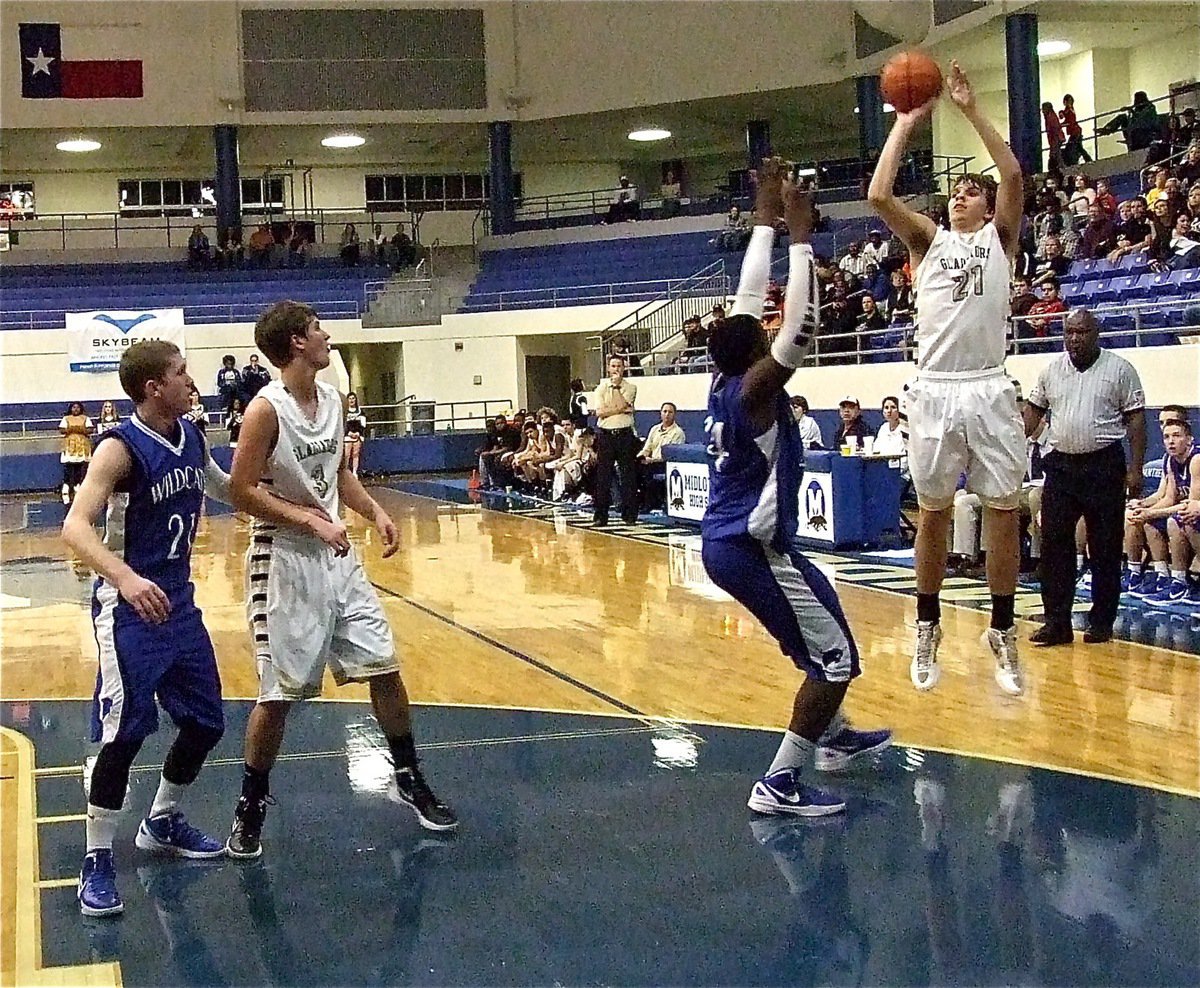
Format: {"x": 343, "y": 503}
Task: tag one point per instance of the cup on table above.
{"x": 868, "y": 445}
{"x": 847, "y": 450}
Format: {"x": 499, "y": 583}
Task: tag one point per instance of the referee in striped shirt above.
{"x": 1095, "y": 400}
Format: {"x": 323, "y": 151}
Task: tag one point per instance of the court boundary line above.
{"x": 27, "y": 899}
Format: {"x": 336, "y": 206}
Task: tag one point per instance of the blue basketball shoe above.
{"x": 1150, "y": 585}
{"x": 1130, "y": 581}
{"x": 98, "y": 895}
{"x": 783, "y": 792}
{"x": 170, "y": 833}
{"x": 1170, "y": 594}
{"x": 838, "y": 752}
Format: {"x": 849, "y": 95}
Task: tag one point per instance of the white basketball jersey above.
{"x": 962, "y": 291}
{"x": 303, "y": 467}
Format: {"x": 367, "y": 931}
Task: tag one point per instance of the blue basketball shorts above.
{"x": 173, "y": 662}
{"x": 792, "y": 598}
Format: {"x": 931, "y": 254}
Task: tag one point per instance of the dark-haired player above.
{"x": 962, "y": 408}
{"x": 151, "y": 472}
{"x": 749, "y": 528}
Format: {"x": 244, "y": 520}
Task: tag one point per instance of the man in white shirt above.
{"x": 651, "y": 473}
{"x": 616, "y": 444}
{"x": 876, "y": 248}
{"x": 855, "y": 262}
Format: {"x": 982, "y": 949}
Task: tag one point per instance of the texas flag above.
{"x": 45, "y": 75}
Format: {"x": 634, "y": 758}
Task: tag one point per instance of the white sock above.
{"x": 166, "y": 800}
{"x": 1078, "y": 561}
{"x": 1179, "y": 575}
{"x": 101, "y": 827}
{"x": 794, "y": 752}
{"x": 1135, "y": 569}
{"x": 1163, "y": 568}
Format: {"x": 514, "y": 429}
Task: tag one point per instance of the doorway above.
{"x": 547, "y": 382}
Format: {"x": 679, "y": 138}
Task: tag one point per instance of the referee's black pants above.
{"x": 1089, "y": 486}
{"x": 616, "y": 447}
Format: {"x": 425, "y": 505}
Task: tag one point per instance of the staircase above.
{"x": 421, "y": 297}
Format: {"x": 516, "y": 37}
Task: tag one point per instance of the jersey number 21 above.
{"x": 968, "y": 282}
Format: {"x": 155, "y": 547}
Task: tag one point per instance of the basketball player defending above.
{"x": 308, "y": 599}
{"x": 749, "y": 528}
{"x": 151, "y": 472}
{"x": 962, "y": 408}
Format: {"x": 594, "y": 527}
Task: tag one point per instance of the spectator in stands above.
{"x": 1104, "y": 196}
{"x": 354, "y": 433}
{"x": 870, "y": 320}
{"x": 1099, "y": 237}
{"x": 1049, "y": 305}
{"x": 889, "y": 440}
{"x": 1160, "y": 231}
{"x": 254, "y": 378}
{"x": 624, "y": 205}
{"x": 261, "y": 242}
{"x": 900, "y": 300}
{"x": 853, "y": 429}
{"x": 1187, "y": 127}
{"x": 109, "y": 419}
{"x": 197, "y": 413}
{"x": 1135, "y": 228}
{"x": 348, "y": 246}
{"x": 1068, "y": 240}
{"x": 1139, "y": 123}
{"x": 299, "y": 246}
{"x": 199, "y": 250}
{"x": 736, "y": 233}
{"x": 652, "y": 489}
{"x": 233, "y": 421}
{"x": 1051, "y": 187}
{"x": 633, "y": 363}
{"x": 1051, "y": 264}
{"x": 76, "y": 428}
{"x": 376, "y": 244}
{"x": 1082, "y": 196}
{"x": 230, "y": 252}
{"x": 1158, "y": 186}
{"x": 695, "y": 337}
{"x": 577, "y": 404}
{"x": 876, "y": 248}
{"x": 1183, "y": 248}
{"x": 1049, "y": 210}
{"x": 404, "y": 251}
{"x": 1188, "y": 170}
{"x": 229, "y": 381}
{"x": 1073, "y": 151}
{"x": 670, "y": 192}
{"x": 810, "y": 431}
{"x": 1191, "y": 204}
{"x": 1022, "y": 298}
{"x": 855, "y": 262}
{"x": 1055, "y": 138}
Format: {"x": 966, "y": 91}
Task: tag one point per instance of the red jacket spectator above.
{"x": 1105, "y": 198}
{"x": 1047, "y": 306}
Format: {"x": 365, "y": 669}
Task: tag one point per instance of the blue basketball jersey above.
{"x": 153, "y": 513}
{"x": 753, "y": 478}
{"x": 1153, "y": 472}
{"x": 1181, "y": 472}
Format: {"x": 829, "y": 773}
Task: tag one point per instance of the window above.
{"x": 16, "y": 200}
{"x": 165, "y": 197}
{"x": 419, "y": 193}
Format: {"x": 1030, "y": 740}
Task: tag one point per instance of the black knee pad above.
{"x": 110, "y": 774}
{"x": 187, "y": 754}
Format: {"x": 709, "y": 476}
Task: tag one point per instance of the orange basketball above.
{"x": 909, "y": 80}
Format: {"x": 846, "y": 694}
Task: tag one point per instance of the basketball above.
{"x": 910, "y": 80}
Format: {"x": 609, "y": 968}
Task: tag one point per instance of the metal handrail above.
{"x": 1143, "y": 173}
{"x": 350, "y": 308}
{"x": 556, "y": 296}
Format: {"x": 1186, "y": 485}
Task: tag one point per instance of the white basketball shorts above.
{"x": 965, "y": 423}
{"x": 309, "y": 608}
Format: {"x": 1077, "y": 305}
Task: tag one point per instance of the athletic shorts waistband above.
{"x": 973, "y": 375}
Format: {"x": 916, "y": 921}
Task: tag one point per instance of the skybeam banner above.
{"x": 96, "y": 340}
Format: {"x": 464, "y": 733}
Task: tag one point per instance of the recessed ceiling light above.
{"x": 649, "y": 134}
{"x": 344, "y": 141}
{"x": 79, "y": 145}
{"x": 1047, "y": 48}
